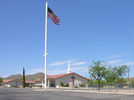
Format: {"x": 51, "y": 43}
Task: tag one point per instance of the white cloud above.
{"x": 116, "y": 56}
{"x": 56, "y": 71}
{"x": 4, "y": 76}
{"x": 129, "y": 63}
{"x": 64, "y": 70}
{"x": 79, "y": 63}
{"x": 59, "y": 71}
{"x": 58, "y": 63}
{"x": 114, "y": 61}
{"x": 49, "y": 71}
{"x": 80, "y": 69}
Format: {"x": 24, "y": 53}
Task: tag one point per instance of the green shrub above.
{"x": 64, "y": 85}
{"x": 82, "y": 85}
{"x": 76, "y": 87}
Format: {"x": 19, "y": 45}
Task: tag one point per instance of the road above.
{"x": 30, "y": 94}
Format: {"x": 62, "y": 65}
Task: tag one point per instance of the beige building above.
{"x": 12, "y": 83}
{"x": 30, "y": 83}
{"x": 39, "y": 82}
{"x": 69, "y": 79}
{"x": 65, "y": 80}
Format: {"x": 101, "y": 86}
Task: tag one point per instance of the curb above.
{"x": 79, "y": 91}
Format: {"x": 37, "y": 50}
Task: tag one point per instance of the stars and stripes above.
{"x": 53, "y": 17}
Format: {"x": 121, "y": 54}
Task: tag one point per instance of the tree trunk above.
{"x": 23, "y": 78}
{"x": 99, "y": 84}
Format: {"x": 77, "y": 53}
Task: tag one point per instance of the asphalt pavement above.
{"x": 30, "y": 94}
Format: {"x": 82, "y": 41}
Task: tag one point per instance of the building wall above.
{"x": 15, "y": 83}
{"x": 38, "y": 83}
{"x": 68, "y": 80}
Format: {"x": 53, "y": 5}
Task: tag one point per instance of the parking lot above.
{"x": 30, "y": 94}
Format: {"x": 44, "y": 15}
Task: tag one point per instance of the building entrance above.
{"x": 52, "y": 83}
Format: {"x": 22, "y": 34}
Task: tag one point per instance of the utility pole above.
{"x": 45, "y": 65}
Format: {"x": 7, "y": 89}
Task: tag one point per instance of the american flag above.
{"x": 53, "y": 17}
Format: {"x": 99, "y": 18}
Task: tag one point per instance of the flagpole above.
{"x": 45, "y": 65}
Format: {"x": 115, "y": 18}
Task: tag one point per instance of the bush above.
{"x": 76, "y": 87}
{"x": 64, "y": 85}
{"x": 82, "y": 85}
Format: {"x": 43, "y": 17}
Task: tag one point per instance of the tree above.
{"x": 110, "y": 75}
{"x": 23, "y": 77}
{"x": 121, "y": 73}
{"x": 116, "y": 74}
{"x": 132, "y": 82}
{"x": 97, "y": 71}
{"x": 1, "y": 80}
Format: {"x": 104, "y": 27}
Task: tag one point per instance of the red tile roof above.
{"x": 9, "y": 80}
{"x": 30, "y": 82}
{"x": 60, "y": 75}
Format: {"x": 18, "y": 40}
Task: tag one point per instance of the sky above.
{"x": 89, "y": 30}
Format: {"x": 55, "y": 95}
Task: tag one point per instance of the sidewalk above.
{"x": 120, "y": 92}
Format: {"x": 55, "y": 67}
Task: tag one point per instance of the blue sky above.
{"x": 89, "y": 30}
